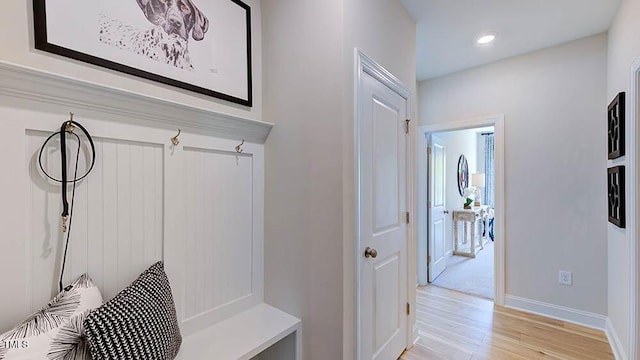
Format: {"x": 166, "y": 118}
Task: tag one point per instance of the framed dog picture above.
{"x": 199, "y": 45}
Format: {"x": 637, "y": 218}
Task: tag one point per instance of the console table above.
{"x": 472, "y": 221}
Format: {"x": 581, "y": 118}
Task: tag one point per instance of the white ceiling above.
{"x": 447, "y": 29}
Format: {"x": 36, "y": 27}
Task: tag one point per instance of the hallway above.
{"x": 456, "y": 326}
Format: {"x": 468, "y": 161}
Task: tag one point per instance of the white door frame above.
{"x": 497, "y": 121}
{"x": 633, "y": 231}
{"x": 364, "y": 64}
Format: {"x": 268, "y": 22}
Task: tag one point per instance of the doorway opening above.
{"x": 461, "y": 187}
{"x": 457, "y": 163}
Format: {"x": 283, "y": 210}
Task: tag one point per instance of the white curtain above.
{"x": 489, "y": 169}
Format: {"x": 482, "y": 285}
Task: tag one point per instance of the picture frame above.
{"x": 196, "y": 45}
{"x": 616, "y": 195}
{"x": 615, "y": 125}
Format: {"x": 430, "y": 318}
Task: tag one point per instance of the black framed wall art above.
{"x": 199, "y": 45}
{"x": 616, "y": 203}
{"x": 615, "y": 121}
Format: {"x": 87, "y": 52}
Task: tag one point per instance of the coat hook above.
{"x": 239, "y": 147}
{"x": 174, "y": 140}
{"x": 70, "y": 127}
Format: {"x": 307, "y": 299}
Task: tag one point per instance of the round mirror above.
{"x": 463, "y": 174}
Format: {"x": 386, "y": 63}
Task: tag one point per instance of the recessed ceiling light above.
{"x": 486, "y": 38}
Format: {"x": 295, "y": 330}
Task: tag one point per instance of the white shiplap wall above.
{"x": 117, "y": 224}
{"x": 197, "y": 206}
{"x": 219, "y": 228}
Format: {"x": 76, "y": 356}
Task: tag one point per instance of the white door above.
{"x": 436, "y": 260}
{"x": 383, "y": 224}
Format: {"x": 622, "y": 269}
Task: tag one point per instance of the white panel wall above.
{"x": 197, "y": 206}
{"x": 219, "y": 228}
{"x": 117, "y": 224}
{"x": 215, "y": 245}
{"x": 555, "y": 157}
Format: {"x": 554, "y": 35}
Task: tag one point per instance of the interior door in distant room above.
{"x": 436, "y": 260}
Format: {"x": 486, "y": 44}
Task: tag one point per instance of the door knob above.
{"x": 446, "y": 211}
{"x": 369, "y": 252}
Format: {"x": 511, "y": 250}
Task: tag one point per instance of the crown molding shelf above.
{"x": 41, "y": 86}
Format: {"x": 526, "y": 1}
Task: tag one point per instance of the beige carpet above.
{"x": 468, "y": 275}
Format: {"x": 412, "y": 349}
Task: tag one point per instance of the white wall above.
{"x": 303, "y": 176}
{"x": 308, "y": 94}
{"x": 555, "y": 156}
{"x": 623, "y": 50}
{"x": 463, "y": 142}
{"x": 16, "y": 46}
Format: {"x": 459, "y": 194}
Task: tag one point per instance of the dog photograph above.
{"x": 199, "y": 45}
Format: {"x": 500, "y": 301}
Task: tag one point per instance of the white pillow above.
{"x": 55, "y": 331}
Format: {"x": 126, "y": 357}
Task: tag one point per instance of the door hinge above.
{"x": 429, "y": 150}
{"x": 407, "y": 216}
{"x": 406, "y": 128}
{"x": 428, "y": 203}
{"x": 408, "y": 308}
{"x": 428, "y": 259}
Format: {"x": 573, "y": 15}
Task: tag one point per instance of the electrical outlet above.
{"x": 565, "y": 277}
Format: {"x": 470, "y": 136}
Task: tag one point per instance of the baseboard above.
{"x": 614, "y": 341}
{"x": 580, "y": 317}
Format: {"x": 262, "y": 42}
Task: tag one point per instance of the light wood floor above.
{"x": 456, "y": 326}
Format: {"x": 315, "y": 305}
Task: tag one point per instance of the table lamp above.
{"x": 477, "y": 181}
